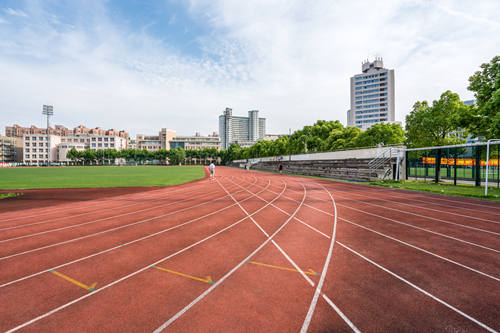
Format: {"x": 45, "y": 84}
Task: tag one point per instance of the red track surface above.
{"x": 251, "y": 252}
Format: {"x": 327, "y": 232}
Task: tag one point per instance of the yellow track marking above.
{"x": 67, "y": 278}
{"x": 310, "y": 271}
{"x": 208, "y": 279}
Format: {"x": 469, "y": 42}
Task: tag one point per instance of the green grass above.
{"x": 97, "y": 176}
{"x": 461, "y": 190}
{"x": 9, "y": 195}
{"x": 461, "y": 173}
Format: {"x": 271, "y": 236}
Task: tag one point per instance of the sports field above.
{"x": 255, "y": 252}
{"x": 97, "y": 176}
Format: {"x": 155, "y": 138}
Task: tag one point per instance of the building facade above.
{"x": 196, "y": 142}
{"x": 7, "y": 150}
{"x": 155, "y": 142}
{"x": 242, "y": 130}
{"x": 372, "y": 95}
{"x": 18, "y": 131}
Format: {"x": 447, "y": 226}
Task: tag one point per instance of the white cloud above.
{"x": 290, "y": 59}
{"x": 15, "y": 12}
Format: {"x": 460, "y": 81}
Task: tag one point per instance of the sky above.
{"x": 142, "y": 65}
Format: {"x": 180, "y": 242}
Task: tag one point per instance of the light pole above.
{"x": 48, "y": 110}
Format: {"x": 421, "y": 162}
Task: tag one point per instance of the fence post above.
{"x": 478, "y": 166}
{"x": 455, "y": 167}
{"x": 407, "y": 165}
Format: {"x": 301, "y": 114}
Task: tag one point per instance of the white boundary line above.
{"x": 312, "y": 307}
{"x": 395, "y": 239}
{"x": 287, "y": 257}
{"x": 422, "y": 207}
{"x": 109, "y": 230}
{"x": 124, "y": 244}
{"x": 423, "y": 216}
{"x": 99, "y": 202}
{"x": 133, "y": 274}
{"x": 420, "y": 289}
{"x": 209, "y": 290}
{"x": 103, "y": 219}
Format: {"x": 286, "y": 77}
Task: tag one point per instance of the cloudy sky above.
{"x": 142, "y": 65}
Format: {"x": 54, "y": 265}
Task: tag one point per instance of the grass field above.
{"x": 461, "y": 190}
{"x": 462, "y": 173}
{"x": 97, "y": 176}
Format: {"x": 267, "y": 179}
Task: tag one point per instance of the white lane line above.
{"x": 285, "y": 212}
{"x": 103, "y": 219}
{"x": 420, "y": 249}
{"x": 428, "y": 208}
{"x": 124, "y": 244}
{"x": 406, "y": 224}
{"x": 300, "y": 270}
{"x": 209, "y": 290}
{"x": 423, "y": 229}
{"x": 412, "y": 194}
{"x": 312, "y": 307}
{"x": 100, "y": 202}
{"x": 436, "y": 255}
{"x": 421, "y": 290}
{"x": 110, "y": 230}
{"x": 131, "y": 274}
{"x": 422, "y": 216}
{"x": 87, "y": 213}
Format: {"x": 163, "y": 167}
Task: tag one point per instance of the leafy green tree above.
{"x": 380, "y": 133}
{"x": 484, "y": 117}
{"x": 434, "y": 125}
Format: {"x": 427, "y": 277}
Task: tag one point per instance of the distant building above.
{"x": 196, "y": 142}
{"x": 242, "y": 130}
{"x": 7, "y": 149}
{"x": 155, "y": 142}
{"x": 372, "y": 95}
{"x": 18, "y": 131}
{"x": 470, "y": 102}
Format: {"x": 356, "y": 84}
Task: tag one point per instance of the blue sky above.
{"x": 143, "y": 65}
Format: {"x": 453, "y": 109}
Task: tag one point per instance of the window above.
{"x": 33, "y": 156}
{"x": 112, "y": 139}
{"x": 99, "y": 145}
{"x": 40, "y": 155}
{"x": 40, "y": 150}
{"x": 93, "y": 145}
{"x": 27, "y": 138}
{"x": 82, "y": 140}
{"x": 27, "y": 150}
{"x": 27, "y": 156}
{"x": 40, "y": 138}
{"x": 112, "y": 145}
{"x": 27, "y": 144}
{"x": 106, "y": 145}
{"x": 99, "y": 139}
{"x": 105, "y": 139}
{"x": 93, "y": 139}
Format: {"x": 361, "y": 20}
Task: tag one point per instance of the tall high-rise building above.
{"x": 242, "y": 130}
{"x": 372, "y": 95}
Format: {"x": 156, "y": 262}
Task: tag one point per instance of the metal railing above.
{"x": 384, "y": 159}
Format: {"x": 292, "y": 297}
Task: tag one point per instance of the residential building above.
{"x": 196, "y": 142}
{"x": 372, "y": 95}
{"x": 242, "y": 130}
{"x": 37, "y": 151}
{"x": 18, "y": 131}
{"x": 7, "y": 149}
{"x": 155, "y": 142}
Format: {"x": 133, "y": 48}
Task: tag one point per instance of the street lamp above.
{"x": 48, "y": 110}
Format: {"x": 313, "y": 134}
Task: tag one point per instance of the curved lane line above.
{"x": 312, "y": 307}
{"x": 133, "y": 274}
{"x": 111, "y": 229}
{"x": 57, "y": 210}
{"x": 124, "y": 244}
{"x": 421, "y": 290}
{"x": 228, "y": 274}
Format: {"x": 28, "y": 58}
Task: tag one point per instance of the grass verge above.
{"x": 9, "y": 195}
{"x": 97, "y": 176}
{"x": 460, "y": 190}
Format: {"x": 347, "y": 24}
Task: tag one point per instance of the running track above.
{"x": 253, "y": 251}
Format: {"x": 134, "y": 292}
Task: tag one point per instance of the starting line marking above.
{"x": 208, "y": 279}
{"x": 67, "y": 278}
{"x": 310, "y": 271}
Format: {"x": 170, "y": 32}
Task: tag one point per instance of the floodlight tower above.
{"x": 48, "y": 110}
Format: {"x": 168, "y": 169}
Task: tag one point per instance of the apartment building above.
{"x": 196, "y": 142}
{"x": 38, "y": 150}
{"x": 155, "y": 142}
{"x": 242, "y": 130}
{"x": 372, "y": 95}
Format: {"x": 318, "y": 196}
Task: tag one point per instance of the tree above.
{"x": 484, "y": 118}
{"x": 434, "y": 125}
{"x": 380, "y": 133}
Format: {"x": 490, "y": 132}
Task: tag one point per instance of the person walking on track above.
{"x": 280, "y": 167}
{"x": 211, "y": 167}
